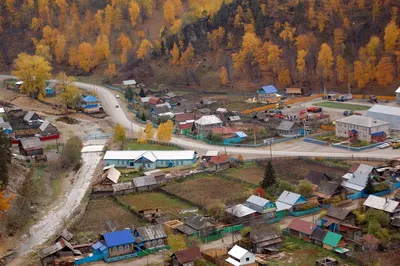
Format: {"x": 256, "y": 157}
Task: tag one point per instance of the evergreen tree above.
{"x": 141, "y": 93}
{"x": 369, "y": 187}
{"x": 5, "y": 157}
{"x": 129, "y": 94}
{"x": 269, "y": 177}
{"x": 143, "y": 117}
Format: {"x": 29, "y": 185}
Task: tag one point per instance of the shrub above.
{"x": 71, "y": 154}
{"x": 381, "y": 187}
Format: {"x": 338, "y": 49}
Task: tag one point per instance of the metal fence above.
{"x": 306, "y": 212}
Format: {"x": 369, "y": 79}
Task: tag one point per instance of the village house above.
{"x": 220, "y": 162}
{"x": 265, "y": 241}
{"x": 209, "y": 155}
{"x": 30, "y": 146}
{"x": 149, "y": 159}
{"x": 261, "y": 116}
{"x": 318, "y": 236}
{"x": 47, "y": 129}
{"x": 158, "y": 175}
{"x": 289, "y": 129}
{"x": 332, "y": 240}
{"x": 184, "y": 122}
{"x": 146, "y": 92}
{"x": 5, "y": 126}
{"x": 385, "y": 113}
{"x": 268, "y": 94}
{"x": 301, "y": 229}
{"x": 336, "y": 216}
{"x": 263, "y": 206}
{"x": 128, "y": 83}
{"x": 58, "y": 252}
{"x": 109, "y": 177}
{"x": 241, "y": 214}
{"x": 369, "y": 243}
{"x": 206, "y": 123}
{"x": 123, "y": 188}
{"x": 290, "y": 201}
{"x": 391, "y": 207}
{"x": 357, "y": 127}
{"x": 234, "y": 118}
{"x": 65, "y": 234}
{"x": 186, "y": 257}
{"x": 197, "y": 225}
{"x": 356, "y": 179}
{"x": 316, "y": 177}
{"x": 229, "y": 135}
{"x": 119, "y": 243}
{"x": 154, "y": 101}
{"x": 395, "y": 222}
{"x": 151, "y": 237}
{"x": 328, "y": 189}
{"x": 32, "y": 119}
{"x": 90, "y": 104}
{"x": 144, "y": 183}
{"x": 150, "y": 215}
{"x": 50, "y": 89}
{"x": 293, "y": 92}
{"x": 239, "y": 256}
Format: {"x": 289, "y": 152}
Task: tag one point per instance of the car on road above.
{"x": 314, "y": 109}
{"x": 117, "y": 96}
{"x": 383, "y": 146}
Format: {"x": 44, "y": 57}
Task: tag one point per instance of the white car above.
{"x": 383, "y": 146}
{"x": 117, "y": 96}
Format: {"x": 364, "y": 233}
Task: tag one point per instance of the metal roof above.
{"x": 221, "y": 110}
{"x": 389, "y": 110}
{"x": 29, "y": 115}
{"x": 90, "y": 99}
{"x": 359, "y": 177}
{"x": 198, "y": 222}
{"x": 151, "y": 155}
{"x": 398, "y": 90}
{"x": 240, "y": 210}
{"x": 145, "y": 99}
{"x": 44, "y": 125}
{"x": 31, "y": 143}
{"x": 119, "y": 238}
{"x": 208, "y": 120}
{"x": 280, "y": 206}
{"x": 151, "y": 232}
{"x": 337, "y": 213}
{"x": 234, "y": 118}
{"x": 289, "y": 197}
{"x": 302, "y": 226}
{"x": 332, "y": 239}
{"x": 232, "y": 261}
{"x": 144, "y": 181}
{"x": 382, "y": 204}
{"x": 6, "y": 125}
{"x": 362, "y": 121}
{"x": 123, "y": 186}
{"x": 237, "y": 252}
{"x": 256, "y": 200}
{"x": 212, "y": 153}
{"x": 268, "y": 89}
{"x": 319, "y": 234}
{"x": 129, "y": 82}
{"x": 113, "y": 174}
{"x": 287, "y": 125}
{"x": 2, "y": 110}
{"x": 241, "y": 134}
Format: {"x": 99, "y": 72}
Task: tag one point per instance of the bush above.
{"x": 381, "y": 187}
{"x": 71, "y": 154}
{"x": 376, "y": 215}
{"x": 307, "y": 206}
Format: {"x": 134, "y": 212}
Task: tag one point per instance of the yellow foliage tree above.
{"x": 59, "y": 48}
{"x": 175, "y": 54}
{"x": 177, "y": 242}
{"x": 301, "y": 62}
{"x": 117, "y": 17}
{"x": 149, "y": 130}
{"x": 35, "y": 24}
{"x": 284, "y": 76}
{"x": 177, "y": 7}
{"x": 164, "y": 132}
{"x": 102, "y": 47}
{"x": 338, "y": 40}
{"x": 111, "y": 71}
{"x": 304, "y": 42}
{"x": 384, "y": 71}
{"x": 216, "y": 37}
{"x": 325, "y": 60}
{"x": 134, "y": 12}
{"x": 237, "y": 21}
{"x": 321, "y": 21}
{"x": 71, "y": 96}
{"x": 5, "y": 202}
{"x": 187, "y": 55}
{"x": 43, "y": 50}
{"x": 341, "y": 69}
{"x": 73, "y": 58}
{"x": 119, "y": 134}
{"x": 176, "y": 27}
{"x": 87, "y": 56}
{"x": 391, "y": 36}
{"x": 359, "y": 74}
{"x": 50, "y": 35}
{"x": 288, "y": 32}
{"x": 274, "y": 58}
{"x": 144, "y": 49}
{"x": 33, "y": 70}
{"x": 147, "y": 7}
{"x": 223, "y": 76}
{"x": 169, "y": 12}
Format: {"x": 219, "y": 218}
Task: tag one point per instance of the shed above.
{"x": 263, "y": 240}
{"x": 220, "y": 162}
{"x": 47, "y": 128}
{"x": 239, "y": 256}
{"x": 261, "y": 205}
{"x": 385, "y": 113}
{"x": 30, "y": 146}
{"x": 290, "y": 198}
{"x": 328, "y": 189}
{"x": 130, "y": 82}
{"x": 186, "y": 256}
{"x": 331, "y": 240}
{"x": 234, "y": 118}
{"x": 301, "y": 229}
{"x": 65, "y": 234}
{"x": 317, "y": 237}
{"x": 31, "y": 117}
{"x": 158, "y": 175}
{"x": 294, "y": 92}
{"x": 241, "y": 213}
{"x": 144, "y": 183}
{"x": 289, "y": 129}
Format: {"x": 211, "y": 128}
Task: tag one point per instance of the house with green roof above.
{"x": 332, "y": 240}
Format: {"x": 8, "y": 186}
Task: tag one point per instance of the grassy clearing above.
{"x": 99, "y": 212}
{"x": 133, "y": 145}
{"x": 344, "y": 106}
{"x": 57, "y": 187}
{"x": 168, "y": 205}
{"x": 250, "y": 172}
{"x": 331, "y": 138}
{"x": 128, "y": 174}
{"x": 208, "y": 189}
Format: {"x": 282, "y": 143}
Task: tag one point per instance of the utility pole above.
{"x": 255, "y": 137}
{"x": 223, "y": 139}
{"x": 132, "y": 128}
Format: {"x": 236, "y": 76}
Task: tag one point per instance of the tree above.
{"x": 35, "y": 24}
{"x": 71, "y": 154}
{"x": 144, "y": 49}
{"x": 142, "y": 94}
{"x": 325, "y": 60}
{"x": 369, "y": 187}
{"x": 384, "y": 71}
{"x": 111, "y": 71}
{"x": 169, "y": 12}
{"x": 360, "y": 75}
{"x": 285, "y": 185}
{"x": 215, "y": 38}
{"x": 187, "y": 55}
{"x": 43, "y": 50}
{"x": 260, "y": 192}
{"x": 377, "y": 215}
{"x": 338, "y": 40}
{"x": 223, "y": 76}
{"x": 305, "y": 188}
{"x": 71, "y": 96}
{"x": 284, "y": 76}
{"x": 5, "y": 158}
{"x": 59, "y": 48}
{"x": 73, "y": 59}
{"x": 33, "y": 70}
{"x": 134, "y": 12}
{"x": 149, "y": 130}
{"x": 176, "y": 26}
{"x": 269, "y": 177}
{"x": 119, "y": 134}
{"x": 164, "y": 132}
{"x": 5, "y": 202}
{"x": 175, "y": 54}
{"x": 301, "y": 63}
{"x": 176, "y": 241}
{"x": 129, "y": 94}
{"x": 391, "y": 36}
{"x": 288, "y": 33}
{"x": 86, "y": 56}
{"x": 341, "y": 69}
{"x": 102, "y": 48}
{"x": 216, "y": 210}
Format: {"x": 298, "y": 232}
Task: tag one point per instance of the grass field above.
{"x": 209, "y": 189}
{"x": 99, "y": 212}
{"x": 152, "y": 200}
{"x": 344, "y": 106}
{"x": 133, "y": 145}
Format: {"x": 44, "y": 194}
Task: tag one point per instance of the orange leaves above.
{"x": 164, "y": 132}
{"x": 86, "y": 56}
{"x": 391, "y": 36}
{"x": 288, "y": 32}
{"x": 360, "y": 75}
{"x": 338, "y": 40}
{"x": 187, "y": 55}
{"x": 59, "y": 48}
{"x": 169, "y": 12}
{"x": 325, "y": 60}
{"x": 215, "y": 38}
{"x": 102, "y": 48}
{"x": 175, "y": 54}
{"x": 111, "y": 71}
{"x": 223, "y": 76}
{"x": 284, "y": 76}
{"x": 125, "y": 44}
{"x": 50, "y": 35}
{"x": 341, "y": 69}
{"x": 134, "y": 12}
{"x": 384, "y": 71}
{"x": 144, "y": 49}
{"x": 5, "y": 202}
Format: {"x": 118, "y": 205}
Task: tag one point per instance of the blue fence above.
{"x": 89, "y": 259}
{"x": 397, "y": 185}
{"x": 315, "y": 141}
{"x": 378, "y": 194}
{"x": 362, "y": 194}
{"x": 306, "y": 212}
{"x": 355, "y": 196}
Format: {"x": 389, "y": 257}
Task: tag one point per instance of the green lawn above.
{"x": 133, "y": 145}
{"x": 344, "y": 106}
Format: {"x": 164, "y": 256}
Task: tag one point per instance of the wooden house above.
{"x": 268, "y": 94}
{"x": 332, "y": 240}
{"x": 301, "y": 229}
{"x": 61, "y": 249}
{"x": 144, "y": 183}
{"x": 288, "y": 129}
{"x": 369, "y": 243}
{"x": 317, "y": 237}
{"x": 220, "y": 162}
{"x": 186, "y": 257}
{"x": 241, "y": 214}
{"x": 152, "y": 236}
{"x": 263, "y": 206}
{"x": 293, "y": 92}
{"x": 30, "y": 146}
{"x": 328, "y": 189}
{"x": 158, "y": 175}
{"x": 109, "y": 177}
{"x": 197, "y": 225}
{"x": 265, "y": 241}
{"x": 335, "y": 217}
{"x": 119, "y": 243}
{"x": 316, "y": 177}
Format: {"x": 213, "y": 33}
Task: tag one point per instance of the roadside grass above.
{"x": 57, "y": 187}
{"x": 344, "y": 106}
{"x": 133, "y": 145}
{"x": 152, "y": 200}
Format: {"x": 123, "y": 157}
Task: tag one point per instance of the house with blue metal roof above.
{"x": 289, "y": 201}
{"x": 120, "y": 245}
{"x": 268, "y": 94}
{"x": 90, "y": 104}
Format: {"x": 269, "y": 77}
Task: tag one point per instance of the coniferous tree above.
{"x": 141, "y": 93}
{"x": 5, "y": 157}
{"x": 269, "y": 177}
{"x": 369, "y": 187}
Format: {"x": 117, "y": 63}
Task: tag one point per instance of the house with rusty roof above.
{"x": 265, "y": 240}
{"x": 30, "y": 146}
{"x": 301, "y": 229}
{"x": 59, "y": 250}
{"x": 369, "y": 243}
{"x": 197, "y": 225}
{"x": 152, "y": 236}
{"x": 186, "y": 257}
{"x": 219, "y": 162}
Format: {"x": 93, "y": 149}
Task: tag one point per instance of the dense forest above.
{"x": 219, "y": 44}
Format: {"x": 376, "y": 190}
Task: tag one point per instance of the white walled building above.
{"x": 366, "y": 127}
{"x": 385, "y": 113}
{"x": 239, "y": 256}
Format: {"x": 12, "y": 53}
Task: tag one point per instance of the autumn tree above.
{"x": 149, "y": 130}
{"x": 71, "y": 154}
{"x": 164, "y": 132}
{"x": 5, "y": 202}
{"x": 169, "y": 12}
{"x": 33, "y": 70}
{"x": 102, "y": 48}
{"x": 391, "y": 36}
{"x": 176, "y": 241}
{"x": 73, "y": 59}
{"x": 187, "y": 56}
{"x": 274, "y": 59}
{"x": 144, "y": 49}
{"x": 384, "y": 71}
{"x": 288, "y": 33}
{"x": 87, "y": 56}
{"x": 305, "y": 188}
{"x": 175, "y": 54}
{"x": 341, "y": 69}
{"x": 338, "y": 40}
{"x": 223, "y": 76}
{"x": 360, "y": 76}
{"x": 325, "y": 61}
{"x": 176, "y": 26}
{"x": 301, "y": 63}
{"x": 134, "y": 12}
{"x": 43, "y": 50}
{"x": 59, "y": 48}
{"x": 35, "y": 24}
{"x": 111, "y": 71}
{"x": 119, "y": 134}
{"x": 305, "y": 41}
{"x": 284, "y": 76}
{"x": 5, "y": 158}
{"x": 71, "y": 96}
{"x": 260, "y": 192}
{"x": 125, "y": 44}
{"x": 215, "y": 38}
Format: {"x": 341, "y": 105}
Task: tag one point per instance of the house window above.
{"x": 115, "y": 249}
{"x": 148, "y": 165}
{"x": 126, "y": 247}
{"x": 120, "y": 248}
{"x": 247, "y": 259}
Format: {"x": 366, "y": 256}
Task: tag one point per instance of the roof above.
{"x": 123, "y": 186}
{"x": 90, "y": 99}
{"x": 221, "y": 110}
{"x": 129, "y": 82}
{"x": 237, "y": 252}
{"x": 359, "y": 177}
{"x": 61, "y": 244}
{"x": 316, "y": 177}
{"x": 262, "y": 236}
{"x": 220, "y": 159}
{"x": 2, "y": 110}
{"x": 234, "y": 118}
{"x": 44, "y": 125}
{"x": 185, "y": 125}
{"x": 51, "y": 85}
{"x": 398, "y": 90}
{"x": 293, "y": 91}
{"x": 302, "y": 226}
{"x": 113, "y": 174}
{"x": 171, "y": 94}
{"x": 261, "y": 116}
{"x": 151, "y": 155}
{"x": 327, "y": 188}
{"x": 362, "y": 121}
{"x": 154, "y": 173}
{"x": 198, "y": 222}
{"x": 31, "y": 143}
{"x": 151, "y": 232}
{"x": 280, "y": 206}
{"x": 29, "y": 116}
{"x": 188, "y": 255}
{"x": 154, "y": 100}
{"x": 337, "y": 213}
{"x": 332, "y": 239}
{"x": 395, "y": 222}
{"x": 223, "y": 130}
{"x": 186, "y": 229}
{"x": 382, "y": 204}
{"x": 145, "y": 99}
{"x": 268, "y": 89}
{"x": 208, "y": 120}
{"x": 240, "y": 210}
{"x": 232, "y": 261}
{"x": 319, "y": 234}
{"x": 289, "y": 197}
{"x": 256, "y": 200}
{"x": 241, "y": 134}
{"x": 287, "y": 125}
{"x": 66, "y": 235}
{"x": 184, "y": 117}
{"x": 383, "y": 109}
{"x": 161, "y": 109}
{"x": 212, "y": 153}
{"x": 369, "y": 239}
{"x": 100, "y": 246}
{"x": 6, "y": 125}
{"x": 119, "y": 238}
{"x": 144, "y": 181}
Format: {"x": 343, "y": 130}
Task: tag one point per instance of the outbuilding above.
{"x": 30, "y": 146}
{"x": 385, "y": 113}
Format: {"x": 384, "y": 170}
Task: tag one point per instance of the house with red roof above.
{"x": 301, "y": 229}
{"x": 220, "y": 162}
{"x": 186, "y": 257}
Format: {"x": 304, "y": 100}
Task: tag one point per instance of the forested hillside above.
{"x": 213, "y": 44}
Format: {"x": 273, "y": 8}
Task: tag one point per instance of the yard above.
{"x": 331, "y": 138}
{"x": 133, "y": 145}
{"x": 151, "y": 200}
{"x": 128, "y": 174}
{"x": 100, "y": 214}
{"x": 207, "y": 189}
{"x": 344, "y": 106}
{"x": 253, "y": 172}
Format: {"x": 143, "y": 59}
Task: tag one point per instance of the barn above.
{"x": 388, "y": 114}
